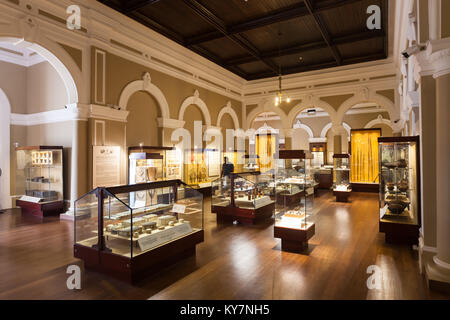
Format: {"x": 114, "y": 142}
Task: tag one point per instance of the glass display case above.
{"x": 246, "y": 197}
{"x": 148, "y": 164}
{"x": 341, "y": 177}
{"x": 200, "y": 167}
{"x": 126, "y": 238}
{"x": 319, "y": 152}
{"x": 40, "y": 180}
{"x": 294, "y": 219}
{"x": 399, "y": 189}
{"x": 251, "y": 162}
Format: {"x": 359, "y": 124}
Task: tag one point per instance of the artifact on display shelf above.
{"x": 251, "y": 162}
{"x": 149, "y": 164}
{"x": 39, "y": 179}
{"x": 134, "y": 239}
{"x": 341, "y": 177}
{"x": 246, "y": 197}
{"x": 400, "y": 189}
{"x": 294, "y": 218}
{"x": 196, "y": 168}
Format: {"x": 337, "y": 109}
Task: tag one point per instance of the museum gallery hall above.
{"x": 224, "y": 150}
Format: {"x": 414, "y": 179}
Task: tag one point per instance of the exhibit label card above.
{"x": 160, "y": 237}
{"x": 179, "y": 208}
{"x": 106, "y": 166}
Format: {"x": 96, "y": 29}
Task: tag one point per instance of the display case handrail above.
{"x": 145, "y": 186}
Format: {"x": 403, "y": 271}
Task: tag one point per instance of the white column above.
{"x": 441, "y": 61}
{"x": 434, "y": 18}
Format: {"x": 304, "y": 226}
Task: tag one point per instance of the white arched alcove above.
{"x": 299, "y": 125}
{"x": 364, "y": 96}
{"x": 145, "y": 85}
{"x": 379, "y": 120}
{"x": 5, "y": 150}
{"x": 196, "y": 100}
{"x": 308, "y": 103}
{"x": 267, "y": 106}
{"x": 327, "y": 127}
{"x": 228, "y": 109}
{"x": 27, "y": 33}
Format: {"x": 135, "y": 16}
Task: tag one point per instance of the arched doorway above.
{"x": 50, "y": 84}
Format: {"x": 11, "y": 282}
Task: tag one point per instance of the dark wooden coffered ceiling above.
{"x": 263, "y": 38}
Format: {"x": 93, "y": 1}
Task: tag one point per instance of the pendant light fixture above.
{"x": 279, "y": 96}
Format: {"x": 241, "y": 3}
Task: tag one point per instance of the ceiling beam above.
{"x": 304, "y": 47}
{"x": 322, "y": 65}
{"x": 131, "y": 6}
{"x": 152, "y": 24}
{"x": 218, "y": 24}
{"x": 289, "y": 13}
{"x": 323, "y": 31}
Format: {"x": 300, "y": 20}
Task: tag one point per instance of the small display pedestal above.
{"x": 294, "y": 240}
{"x": 342, "y": 196}
{"x": 45, "y": 209}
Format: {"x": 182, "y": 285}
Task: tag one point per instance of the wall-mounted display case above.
{"x": 148, "y": 164}
{"x": 400, "y": 189}
{"x": 319, "y": 152}
{"x": 246, "y": 197}
{"x": 341, "y": 177}
{"x": 201, "y": 166}
{"x": 40, "y": 180}
{"x": 294, "y": 220}
{"x": 128, "y": 239}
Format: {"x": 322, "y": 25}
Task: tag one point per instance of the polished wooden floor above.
{"x": 234, "y": 262}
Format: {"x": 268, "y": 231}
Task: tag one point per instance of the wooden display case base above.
{"x": 342, "y": 196}
{"x": 42, "y": 210}
{"x": 366, "y": 187}
{"x": 139, "y": 267}
{"x": 294, "y": 240}
{"x": 290, "y": 200}
{"x": 244, "y": 216}
{"x": 396, "y": 233}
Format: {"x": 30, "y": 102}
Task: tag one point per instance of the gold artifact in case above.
{"x": 200, "y": 166}
{"x": 400, "y": 189}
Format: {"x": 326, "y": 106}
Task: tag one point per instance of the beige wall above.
{"x": 445, "y": 28}
{"x": 34, "y": 89}
{"x": 120, "y": 72}
{"x": 13, "y": 81}
{"x": 45, "y": 89}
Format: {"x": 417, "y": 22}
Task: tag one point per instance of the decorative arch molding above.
{"x": 25, "y": 33}
{"x": 328, "y": 127}
{"x": 379, "y": 120}
{"x": 195, "y": 99}
{"x": 267, "y": 106}
{"x": 299, "y": 125}
{"x": 308, "y": 103}
{"x": 363, "y": 96}
{"x": 228, "y": 109}
{"x": 144, "y": 85}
